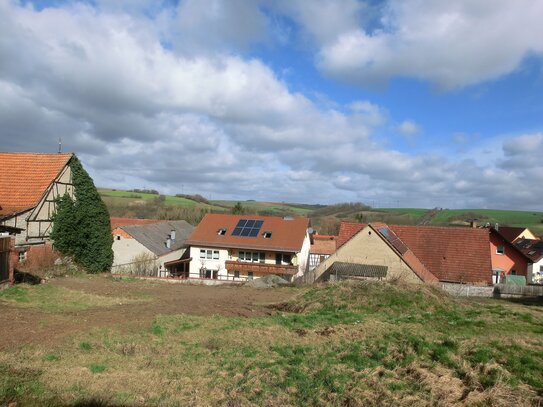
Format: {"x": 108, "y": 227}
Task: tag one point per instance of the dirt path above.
{"x": 20, "y": 325}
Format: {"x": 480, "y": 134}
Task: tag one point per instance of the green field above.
{"x": 273, "y": 208}
{"x": 348, "y": 344}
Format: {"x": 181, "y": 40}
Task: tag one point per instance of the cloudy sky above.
{"x": 406, "y": 103}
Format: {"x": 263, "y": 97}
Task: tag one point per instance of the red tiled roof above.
{"x": 118, "y": 222}
{"x": 24, "y": 178}
{"x": 532, "y": 249}
{"x": 287, "y": 234}
{"x": 323, "y": 244}
{"x": 509, "y": 233}
{"x": 451, "y": 254}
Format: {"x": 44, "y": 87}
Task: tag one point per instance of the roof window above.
{"x": 267, "y": 234}
{"x": 221, "y": 232}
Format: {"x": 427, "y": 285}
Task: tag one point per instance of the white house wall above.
{"x": 303, "y": 256}
{"x": 125, "y": 250}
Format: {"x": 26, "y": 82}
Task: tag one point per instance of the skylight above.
{"x": 267, "y": 234}
{"x": 248, "y": 227}
{"x": 221, "y": 232}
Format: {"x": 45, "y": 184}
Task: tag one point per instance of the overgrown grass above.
{"x": 340, "y": 344}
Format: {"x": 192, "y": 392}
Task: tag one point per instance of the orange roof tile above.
{"x": 24, "y": 178}
{"x": 347, "y": 230}
{"x": 287, "y": 234}
{"x": 323, "y": 244}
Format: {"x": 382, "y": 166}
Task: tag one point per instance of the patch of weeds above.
{"x": 16, "y": 293}
{"x": 85, "y": 346}
{"x": 320, "y": 317}
{"x": 480, "y": 354}
{"x": 157, "y": 329}
{"x": 22, "y": 385}
{"x": 51, "y": 358}
{"x": 97, "y": 368}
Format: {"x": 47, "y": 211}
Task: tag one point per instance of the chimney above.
{"x": 497, "y": 226}
{"x": 172, "y": 235}
{"x": 169, "y": 243}
{"x": 473, "y": 224}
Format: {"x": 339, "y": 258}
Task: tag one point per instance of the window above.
{"x": 541, "y": 269}
{"x": 22, "y": 257}
{"x": 254, "y": 257}
{"x": 250, "y": 275}
{"x": 267, "y": 235}
{"x": 119, "y": 237}
{"x": 221, "y": 232}
{"x": 236, "y": 274}
{"x": 513, "y": 272}
{"x": 500, "y": 250}
{"x": 209, "y": 254}
{"x": 282, "y": 258}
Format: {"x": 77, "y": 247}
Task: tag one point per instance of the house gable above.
{"x": 369, "y": 247}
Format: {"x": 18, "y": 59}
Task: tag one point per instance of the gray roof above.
{"x": 154, "y": 236}
{"x": 357, "y": 270}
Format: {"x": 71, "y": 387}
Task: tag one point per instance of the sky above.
{"x": 405, "y": 103}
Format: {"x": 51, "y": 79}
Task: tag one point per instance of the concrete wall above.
{"x": 126, "y": 249}
{"x": 466, "y": 290}
{"x": 367, "y": 247}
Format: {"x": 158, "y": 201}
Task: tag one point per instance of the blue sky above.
{"x": 404, "y": 103}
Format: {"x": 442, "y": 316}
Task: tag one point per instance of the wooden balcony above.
{"x": 260, "y": 268}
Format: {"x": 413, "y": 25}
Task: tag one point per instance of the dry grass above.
{"x": 345, "y": 344}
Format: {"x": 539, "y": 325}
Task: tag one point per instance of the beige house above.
{"x": 374, "y": 252}
{"x": 29, "y": 185}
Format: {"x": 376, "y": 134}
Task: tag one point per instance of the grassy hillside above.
{"x": 337, "y": 345}
{"x": 324, "y": 218}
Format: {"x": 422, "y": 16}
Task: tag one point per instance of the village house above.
{"x": 507, "y": 258}
{"x": 410, "y": 253}
{"x": 149, "y": 247}
{"x": 30, "y": 183}
{"x": 372, "y": 252}
{"x": 322, "y": 246}
{"x": 243, "y": 247}
{"x": 533, "y": 250}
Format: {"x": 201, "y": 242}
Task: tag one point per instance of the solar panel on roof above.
{"x": 248, "y": 228}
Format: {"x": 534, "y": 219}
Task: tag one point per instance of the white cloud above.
{"x": 408, "y": 128}
{"x": 142, "y": 114}
{"x": 452, "y": 44}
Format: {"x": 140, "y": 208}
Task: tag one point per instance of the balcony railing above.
{"x": 261, "y": 268}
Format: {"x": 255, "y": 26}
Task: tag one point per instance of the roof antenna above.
{"x": 59, "y": 145}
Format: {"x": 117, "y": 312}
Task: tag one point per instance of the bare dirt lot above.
{"x": 130, "y": 304}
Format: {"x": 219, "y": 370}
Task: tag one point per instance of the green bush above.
{"x": 81, "y": 226}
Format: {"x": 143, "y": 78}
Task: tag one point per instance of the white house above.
{"x": 243, "y": 247}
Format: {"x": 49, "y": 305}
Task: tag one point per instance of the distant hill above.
{"x": 324, "y": 218}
